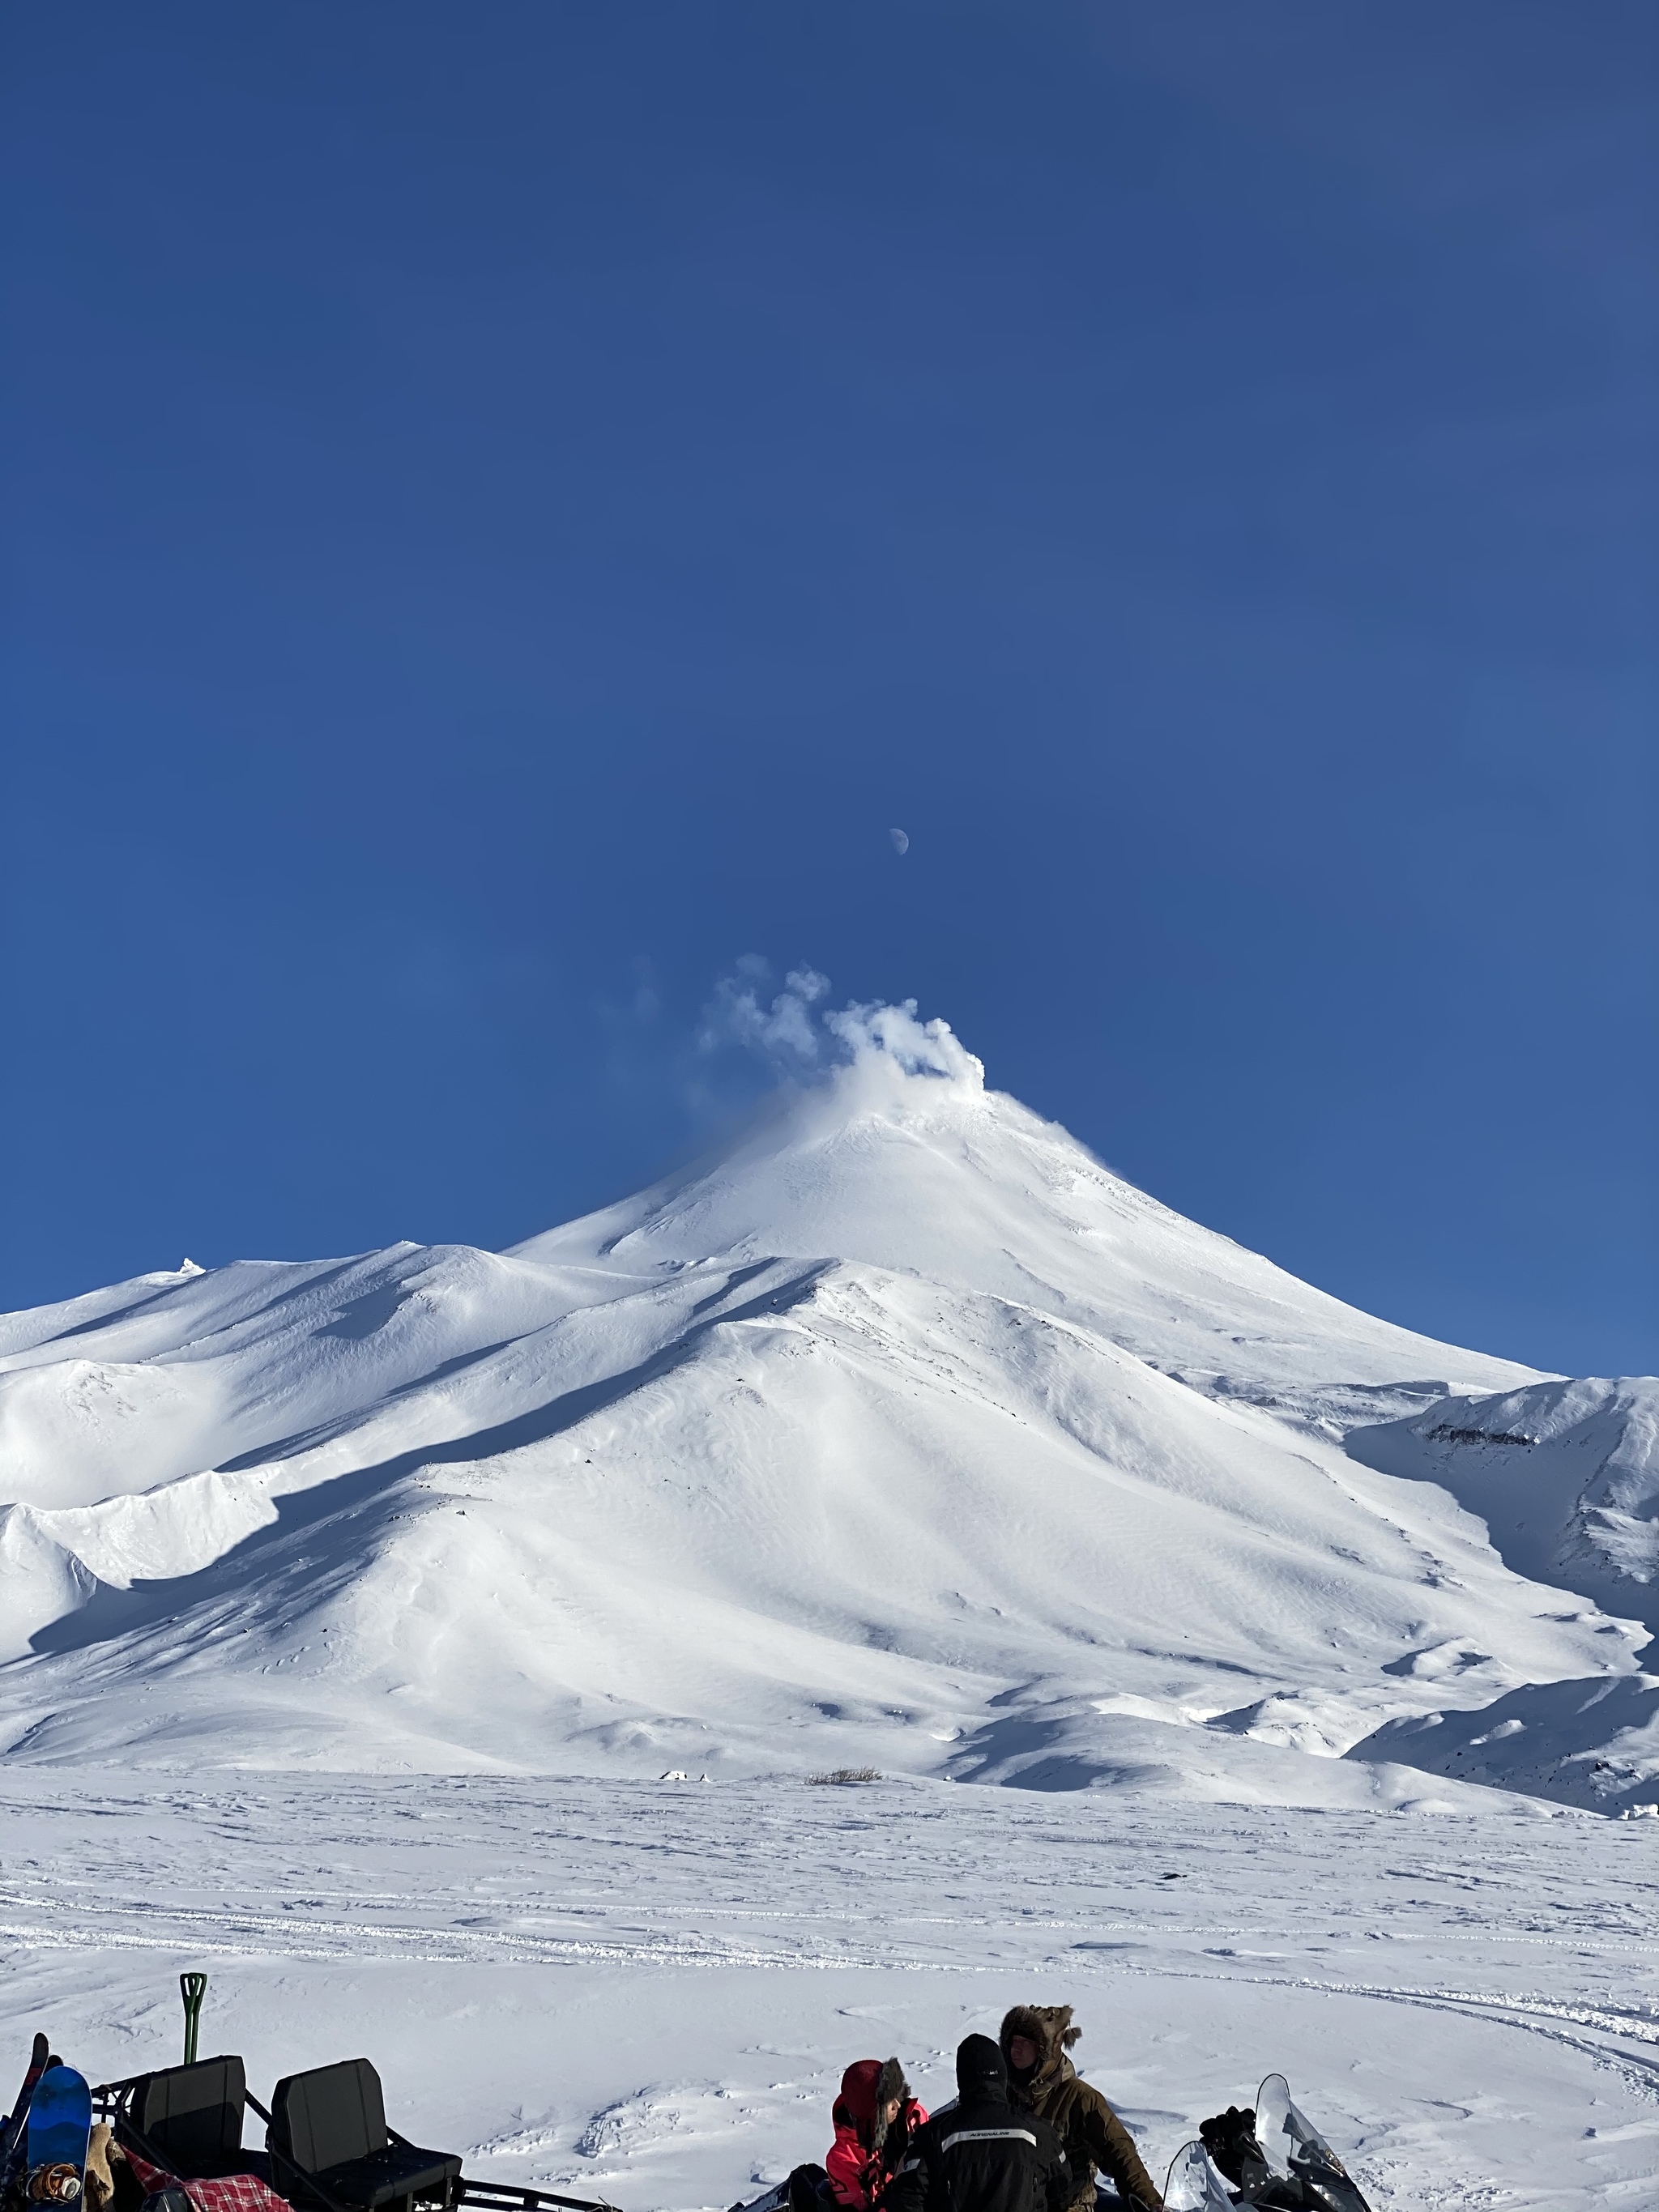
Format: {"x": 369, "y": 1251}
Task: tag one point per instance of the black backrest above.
{"x": 193, "y": 2113}
{"x": 332, "y": 2114}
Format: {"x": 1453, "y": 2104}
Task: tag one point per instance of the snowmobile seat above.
{"x": 192, "y": 2116}
{"x": 328, "y": 2128}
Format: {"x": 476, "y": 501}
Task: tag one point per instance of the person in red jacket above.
{"x": 875, "y": 2116}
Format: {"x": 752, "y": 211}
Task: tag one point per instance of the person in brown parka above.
{"x": 1035, "y": 2041}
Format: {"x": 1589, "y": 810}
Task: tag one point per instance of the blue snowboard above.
{"x": 59, "y": 2127}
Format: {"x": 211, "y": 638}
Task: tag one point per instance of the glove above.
{"x": 1229, "y": 2138}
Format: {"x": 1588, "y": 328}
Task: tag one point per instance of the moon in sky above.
{"x": 901, "y": 842}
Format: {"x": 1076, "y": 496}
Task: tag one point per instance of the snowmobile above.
{"x": 1271, "y": 2156}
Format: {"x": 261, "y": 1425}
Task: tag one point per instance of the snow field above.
{"x": 648, "y": 1991}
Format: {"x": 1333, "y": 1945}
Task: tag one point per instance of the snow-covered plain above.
{"x": 646, "y": 1992}
{"x": 352, "y": 1609}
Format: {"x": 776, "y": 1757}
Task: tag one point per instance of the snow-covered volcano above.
{"x": 901, "y": 1433}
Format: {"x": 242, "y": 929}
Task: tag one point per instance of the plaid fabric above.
{"x": 231, "y": 2192}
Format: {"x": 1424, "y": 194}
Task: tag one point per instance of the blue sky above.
{"x": 505, "y": 507}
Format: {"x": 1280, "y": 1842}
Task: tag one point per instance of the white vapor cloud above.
{"x": 785, "y": 1033}
{"x": 800, "y": 1038}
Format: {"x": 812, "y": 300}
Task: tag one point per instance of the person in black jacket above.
{"x": 980, "y": 2155}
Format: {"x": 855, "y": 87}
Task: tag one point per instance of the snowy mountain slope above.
{"x": 902, "y": 1431}
{"x": 1565, "y": 1474}
{"x": 857, "y": 1507}
{"x": 202, "y": 1370}
{"x": 1566, "y": 1477}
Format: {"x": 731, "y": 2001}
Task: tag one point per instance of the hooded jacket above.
{"x": 867, "y": 2153}
{"x": 980, "y": 2155}
{"x": 1090, "y": 2131}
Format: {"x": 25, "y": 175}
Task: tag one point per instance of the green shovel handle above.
{"x": 193, "y": 1988}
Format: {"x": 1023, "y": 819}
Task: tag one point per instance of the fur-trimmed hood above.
{"x": 868, "y": 2087}
{"x": 1093, "y": 2136}
{"x": 1050, "y": 2026}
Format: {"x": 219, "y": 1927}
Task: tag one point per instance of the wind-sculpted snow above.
{"x": 901, "y": 1433}
{"x": 1566, "y": 1476}
{"x": 1594, "y": 1743}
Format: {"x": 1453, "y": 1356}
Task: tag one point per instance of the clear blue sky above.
{"x": 505, "y": 505}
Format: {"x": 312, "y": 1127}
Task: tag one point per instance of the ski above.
{"x": 11, "y": 2131}
{"x": 57, "y": 2130}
